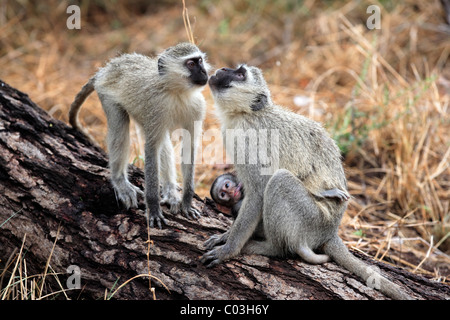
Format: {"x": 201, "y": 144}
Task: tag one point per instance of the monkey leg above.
{"x": 170, "y": 196}
{"x": 264, "y": 248}
{"x": 152, "y": 199}
{"x": 293, "y": 223}
{"x": 118, "y": 142}
{"x": 187, "y": 170}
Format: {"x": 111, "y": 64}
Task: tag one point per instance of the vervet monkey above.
{"x": 228, "y": 193}
{"x": 160, "y": 94}
{"x": 295, "y": 217}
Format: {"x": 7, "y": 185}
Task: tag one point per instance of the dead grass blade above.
{"x": 187, "y": 24}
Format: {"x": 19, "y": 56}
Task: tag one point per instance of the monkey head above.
{"x": 240, "y": 90}
{"x": 183, "y": 61}
{"x": 226, "y": 191}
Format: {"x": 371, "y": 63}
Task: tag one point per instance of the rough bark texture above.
{"x": 51, "y": 177}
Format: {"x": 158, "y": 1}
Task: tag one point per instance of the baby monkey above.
{"x": 227, "y": 192}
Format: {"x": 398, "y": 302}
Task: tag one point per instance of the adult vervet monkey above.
{"x": 296, "y": 217}
{"x": 160, "y": 94}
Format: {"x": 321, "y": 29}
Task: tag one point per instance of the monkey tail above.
{"x": 75, "y": 107}
{"x": 337, "y": 250}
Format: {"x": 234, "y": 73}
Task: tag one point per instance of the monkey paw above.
{"x": 127, "y": 194}
{"x": 172, "y": 201}
{"x": 216, "y": 240}
{"x": 336, "y": 194}
{"x": 216, "y": 256}
{"x": 190, "y": 212}
{"x": 340, "y": 195}
{"x": 155, "y": 214}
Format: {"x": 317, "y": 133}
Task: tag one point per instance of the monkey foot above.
{"x": 127, "y": 194}
{"x": 156, "y": 215}
{"x": 191, "y": 213}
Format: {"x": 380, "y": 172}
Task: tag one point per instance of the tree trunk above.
{"x": 54, "y": 183}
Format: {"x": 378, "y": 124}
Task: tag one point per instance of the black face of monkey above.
{"x": 223, "y": 77}
{"x": 198, "y": 75}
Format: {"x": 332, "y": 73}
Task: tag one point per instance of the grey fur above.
{"x": 217, "y": 187}
{"x": 132, "y": 85}
{"x": 296, "y": 217}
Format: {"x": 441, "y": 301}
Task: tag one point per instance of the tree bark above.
{"x": 53, "y": 179}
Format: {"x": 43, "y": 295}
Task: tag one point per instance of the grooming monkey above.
{"x": 160, "y": 94}
{"x": 295, "y": 217}
{"x": 228, "y": 193}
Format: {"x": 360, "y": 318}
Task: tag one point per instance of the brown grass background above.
{"x": 382, "y": 94}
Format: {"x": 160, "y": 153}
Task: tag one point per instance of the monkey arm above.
{"x": 240, "y": 232}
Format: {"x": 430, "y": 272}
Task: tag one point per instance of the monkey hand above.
{"x": 217, "y": 255}
{"x": 154, "y": 213}
{"x": 334, "y": 193}
{"x": 215, "y": 240}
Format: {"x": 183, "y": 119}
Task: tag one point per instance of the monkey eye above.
{"x": 222, "y": 194}
{"x": 190, "y": 64}
{"x": 227, "y": 185}
{"x": 240, "y": 76}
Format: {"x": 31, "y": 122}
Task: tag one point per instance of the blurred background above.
{"x": 382, "y": 94}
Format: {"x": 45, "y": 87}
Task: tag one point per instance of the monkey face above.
{"x": 229, "y": 192}
{"x": 198, "y": 76}
{"x": 226, "y": 190}
{"x": 240, "y": 90}
{"x": 183, "y": 67}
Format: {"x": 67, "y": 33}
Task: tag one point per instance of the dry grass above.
{"x": 382, "y": 94}
{"x": 23, "y": 286}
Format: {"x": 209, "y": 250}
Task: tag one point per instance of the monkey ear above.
{"x": 161, "y": 67}
{"x": 259, "y": 102}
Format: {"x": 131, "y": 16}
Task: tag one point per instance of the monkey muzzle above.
{"x": 237, "y": 192}
{"x": 216, "y": 82}
{"x": 223, "y": 77}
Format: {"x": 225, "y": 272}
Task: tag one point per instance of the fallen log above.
{"x": 58, "y": 212}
